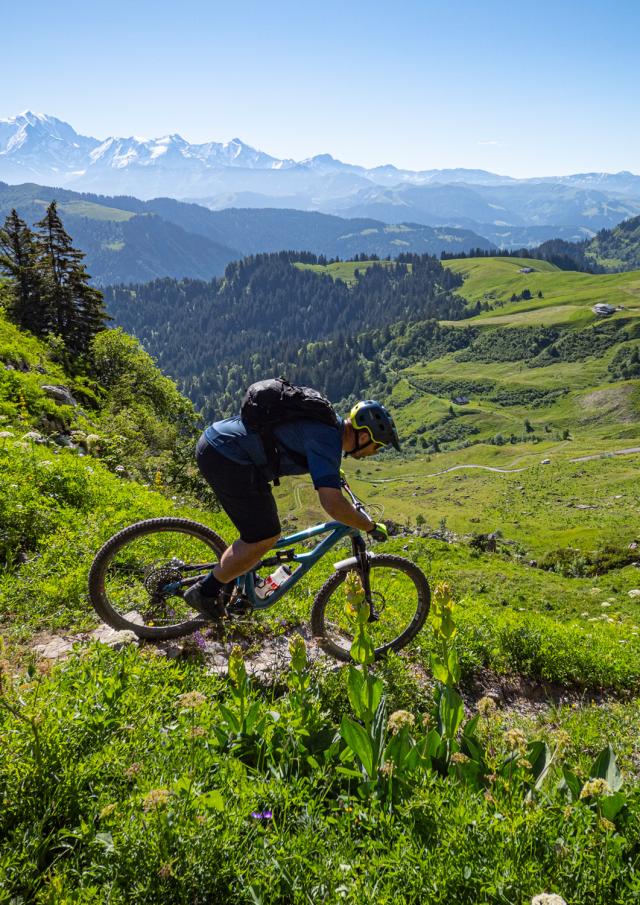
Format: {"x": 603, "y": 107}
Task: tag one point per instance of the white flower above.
{"x": 548, "y": 898}
{"x": 119, "y": 469}
{"x": 634, "y": 593}
{"x": 605, "y": 604}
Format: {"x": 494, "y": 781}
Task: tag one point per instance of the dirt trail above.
{"x": 604, "y": 455}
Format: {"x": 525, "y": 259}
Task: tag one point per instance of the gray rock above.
{"x": 59, "y": 394}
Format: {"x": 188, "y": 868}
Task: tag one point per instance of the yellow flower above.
{"x": 607, "y": 825}
{"x": 107, "y": 810}
{"x": 155, "y": 799}
{"x": 486, "y": 706}
{"x": 516, "y": 740}
{"x": 594, "y": 788}
{"x": 400, "y": 718}
{"x": 459, "y": 758}
{"x": 192, "y": 699}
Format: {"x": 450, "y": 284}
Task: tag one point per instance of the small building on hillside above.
{"x": 526, "y": 270}
{"x": 603, "y": 310}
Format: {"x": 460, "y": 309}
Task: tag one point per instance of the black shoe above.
{"x": 209, "y": 607}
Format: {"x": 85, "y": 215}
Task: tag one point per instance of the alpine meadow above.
{"x": 320, "y": 480}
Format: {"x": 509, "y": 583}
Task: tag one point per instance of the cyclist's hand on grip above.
{"x": 379, "y": 532}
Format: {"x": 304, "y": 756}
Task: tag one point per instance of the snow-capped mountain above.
{"x": 35, "y": 147}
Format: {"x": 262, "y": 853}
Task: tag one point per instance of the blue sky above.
{"x": 524, "y": 89}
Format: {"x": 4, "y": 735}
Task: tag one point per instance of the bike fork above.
{"x": 360, "y": 554}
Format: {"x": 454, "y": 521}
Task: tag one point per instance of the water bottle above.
{"x": 266, "y": 586}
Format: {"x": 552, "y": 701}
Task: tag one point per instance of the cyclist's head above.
{"x": 371, "y": 418}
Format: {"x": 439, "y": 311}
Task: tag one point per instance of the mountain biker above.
{"x": 233, "y": 461}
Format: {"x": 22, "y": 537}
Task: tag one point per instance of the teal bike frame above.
{"x": 335, "y": 532}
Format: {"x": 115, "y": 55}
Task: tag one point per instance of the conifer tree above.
{"x": 19, "y": 259}
{"x": 77, "y": 309}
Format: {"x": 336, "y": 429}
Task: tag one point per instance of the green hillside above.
{"x": 617, "y": 248}
{"x": 157, "y": 773}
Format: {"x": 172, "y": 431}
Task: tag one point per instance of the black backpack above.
{"x": 268, "y": 403}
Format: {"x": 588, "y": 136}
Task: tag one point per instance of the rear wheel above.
{"x": 138, "y": 578}
{"x": 400, "y": 596}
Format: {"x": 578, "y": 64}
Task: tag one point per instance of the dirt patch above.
{"x": 614, "y": 403}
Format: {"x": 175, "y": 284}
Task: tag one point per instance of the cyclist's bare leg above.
{"x": 240, "y": 557}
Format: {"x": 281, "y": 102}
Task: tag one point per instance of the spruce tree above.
{"x": 19, "y": 260}
{"x": 77, "y": 309}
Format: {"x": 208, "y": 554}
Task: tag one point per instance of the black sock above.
{"x": 211, "y": 587}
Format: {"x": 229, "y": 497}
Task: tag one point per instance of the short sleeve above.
{"x": 323, "y": 449}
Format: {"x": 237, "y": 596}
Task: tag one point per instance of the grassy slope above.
{"x": 112, "y": 727}
{"x": 344, "y": 270}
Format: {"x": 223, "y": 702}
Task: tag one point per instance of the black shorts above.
{"x": 243, "y": 491}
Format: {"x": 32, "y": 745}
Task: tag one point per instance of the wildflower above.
{"x": 192, "y": 699}
{"x": 133, "y": 770}
{"x": 605, "y": 604}
{"x": 237, "y": 669}
{"x": 633, "y": 593}
{"x": 567, "y": 811}
{"x": 426, "y": 720}
{"x": 4, "y": 435}
{"x": 386, "y": 769}
{"x": 33, "y": 436}
{"x": 525, "y": 763}
{"x": 606, "y": 825}
{"x": 546, "y": 898}
{"x": 516, "y": 739}
{"x": 155, "y": 799}
{"x": 459, "y": 758}
{"x": 489, "y": 797}
{"x": 119, "y": 469}
{"x": 486, "y": 706}
{"x": 107, "y": 810}
{"x": 594, "y": 788}
{"x": 165, "y": 871}
{"x": 199, "y": 638}
{"x": 197, "y": 732}
{"x": 398, "y": 719}
{"x": 262, "y": 815}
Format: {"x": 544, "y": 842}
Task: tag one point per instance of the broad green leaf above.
{"x": 611, "y": 805}
{"x": 605, "y": 766}
{"x": 231, "y": 719}
{"x": 470, "y": 726}
{"x": 451, "y": 712}
{"x": 355, "y": 682}
{"x": 359, "y": 742}
{"x": 362, "y": 649}
{"x": 439, "y": 669}
{"x": 212, "y": 799}
{"x": 539, "y": 756}
{"x": 570, "y": 784}
{"x": 454, "y": 666}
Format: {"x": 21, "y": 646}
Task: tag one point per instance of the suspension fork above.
{"x": 360, "y": 553}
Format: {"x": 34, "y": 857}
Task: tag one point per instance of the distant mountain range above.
{"x": 508, "y": 212}
{"x": 129, "y": 240}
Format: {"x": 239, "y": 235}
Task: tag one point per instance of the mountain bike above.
{"x": 138, "y": 578}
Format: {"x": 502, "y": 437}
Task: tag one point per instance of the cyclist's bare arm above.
{"x": 339, "y": 508}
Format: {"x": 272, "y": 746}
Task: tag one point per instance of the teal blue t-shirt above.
{"x": 320, "y": 444}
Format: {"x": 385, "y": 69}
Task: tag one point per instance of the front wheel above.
{"x": 400, "y": 596}
{"x": 138, "y": 578}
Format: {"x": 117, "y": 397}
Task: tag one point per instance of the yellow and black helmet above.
{"x": 373, "y": 417}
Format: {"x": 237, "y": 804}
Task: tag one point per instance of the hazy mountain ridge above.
{"x": 129, "y": 240}
{"x": 36, "y": 147}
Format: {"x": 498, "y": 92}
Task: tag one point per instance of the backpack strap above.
{"x": 272, "y": 448}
